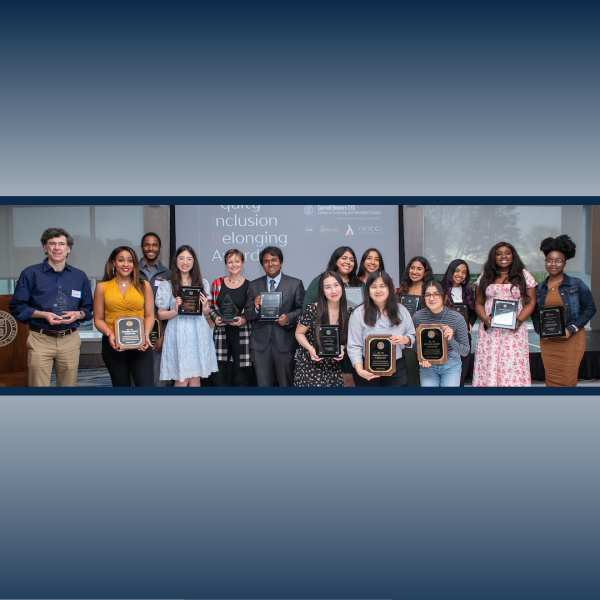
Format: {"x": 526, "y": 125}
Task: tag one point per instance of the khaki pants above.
{"x": 46, "y": 351}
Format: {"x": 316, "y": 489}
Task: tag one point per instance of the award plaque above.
{"x": 190, "y": 300}
{"x": 228, "y": 310}
{"x": 432, "y": 346}
{"x": 411, "y": 302}
{"x": 130, "y": 333}
{"x": 504, "y": 313}
{"x": 380, "y": 355}
{"x": 156, "y": 331}
{"x": 329, "y": 335}
{"x": 270, "y": 305}
{"x": 60, "y": 304}
{"x": 552, "y": 322}
{"x": 462, "y": 309}
{"x": 354, "y": 296}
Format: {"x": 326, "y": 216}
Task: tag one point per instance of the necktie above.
{"x": 272, "y": 288}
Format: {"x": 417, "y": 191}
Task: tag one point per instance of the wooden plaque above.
{"x": 130, "y": 333}
{"x": 432, "y": 346}
{"x": 380, "y": 355}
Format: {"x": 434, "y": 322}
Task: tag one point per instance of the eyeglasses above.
{"x": 558, "y": 261}
{"x": 433, "y": 296}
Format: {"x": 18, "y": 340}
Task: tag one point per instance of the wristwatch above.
{"x": 519, "y": 323}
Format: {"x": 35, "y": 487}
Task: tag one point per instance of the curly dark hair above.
{"x": 562, "y": 243}
{"x": 406, "y": 280}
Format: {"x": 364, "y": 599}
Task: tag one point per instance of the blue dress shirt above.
{"x": 38, "y": 287}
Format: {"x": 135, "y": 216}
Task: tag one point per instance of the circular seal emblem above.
{"x": 129, "y": 323}
{"x": 328, "y": 332}
{"x": 431, "y": 334}
{"x": 8, "y": 328}
{"x": 380, "y": 345}
{"x": 309, "y": 209}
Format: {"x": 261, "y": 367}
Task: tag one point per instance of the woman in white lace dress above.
{"x": 188, "y": 351}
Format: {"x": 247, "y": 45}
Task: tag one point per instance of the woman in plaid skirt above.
{"x": 232, "y": 337}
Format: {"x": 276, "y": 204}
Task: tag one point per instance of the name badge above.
{"x": 157, "y": 282}
{"x": 75, "y": 293}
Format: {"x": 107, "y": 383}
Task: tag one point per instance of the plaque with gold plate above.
{"x": 130, "y": 333}
{"x": 432, "y": 346}
{"x": 156, "y": 331}
{"x": 190, "y": 300}
{"x": 380, "y": 355}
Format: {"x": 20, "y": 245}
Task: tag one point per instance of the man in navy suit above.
{"x": 273, "y": 343}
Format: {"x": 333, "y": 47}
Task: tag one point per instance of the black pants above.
{"x": 398, "y": 379}
{"x": 273, "y": 368}
{"x": 122, "y": 366}
{"x": 230, "y": 372}
{"x": 466, "y": 361}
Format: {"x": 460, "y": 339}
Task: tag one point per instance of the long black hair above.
{"x": 322, "y": 315}
{"x": 491, "y": 272}
{"x": 109, "y": 269}
{"x": 353, "y": 279}
{"x": 391, "y": 304}
{"x": 361, "y": 267}
{"x": 194, "y": 273}
{"x": 407, "y": 281}
{"x": 467, "y": 290}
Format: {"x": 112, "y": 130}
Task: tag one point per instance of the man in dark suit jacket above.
{"x": 273, "y": 343}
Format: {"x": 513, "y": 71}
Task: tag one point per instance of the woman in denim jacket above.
{"x": 562, "y": 356}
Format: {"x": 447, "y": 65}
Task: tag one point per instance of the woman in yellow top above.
{"x": 123, "y": 294}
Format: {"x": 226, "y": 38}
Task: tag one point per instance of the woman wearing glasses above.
{"x": 455, "y": 331}
{"x": 562, "y": 356}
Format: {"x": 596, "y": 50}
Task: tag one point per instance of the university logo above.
{"x": 8, "y": 328}
{"x": 349, "y": 232}
{"x": 309, "y": 210}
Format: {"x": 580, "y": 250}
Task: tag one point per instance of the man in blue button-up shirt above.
{"x": 53, "y": 298}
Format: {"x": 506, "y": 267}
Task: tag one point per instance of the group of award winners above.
{"x": 352, "y": 326}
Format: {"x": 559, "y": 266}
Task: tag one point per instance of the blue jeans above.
{"x": 446, "y": 375}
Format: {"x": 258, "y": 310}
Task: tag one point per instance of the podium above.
{"x": 13, "y": 347}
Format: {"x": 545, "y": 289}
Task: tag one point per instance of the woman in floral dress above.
{"x": 502, "y": 355}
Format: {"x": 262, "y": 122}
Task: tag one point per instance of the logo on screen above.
{"x": 309, "y": 210}
{"x": 349, "y": 232}
{"x": 309, "y": 229}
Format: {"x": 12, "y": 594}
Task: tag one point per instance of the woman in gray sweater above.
{"x": 455, "y": 331}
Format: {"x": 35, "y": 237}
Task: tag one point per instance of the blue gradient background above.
{"x": 299, "y": 497}
{"x": 275, "y": 98}
{"x": 314, "y": 497}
